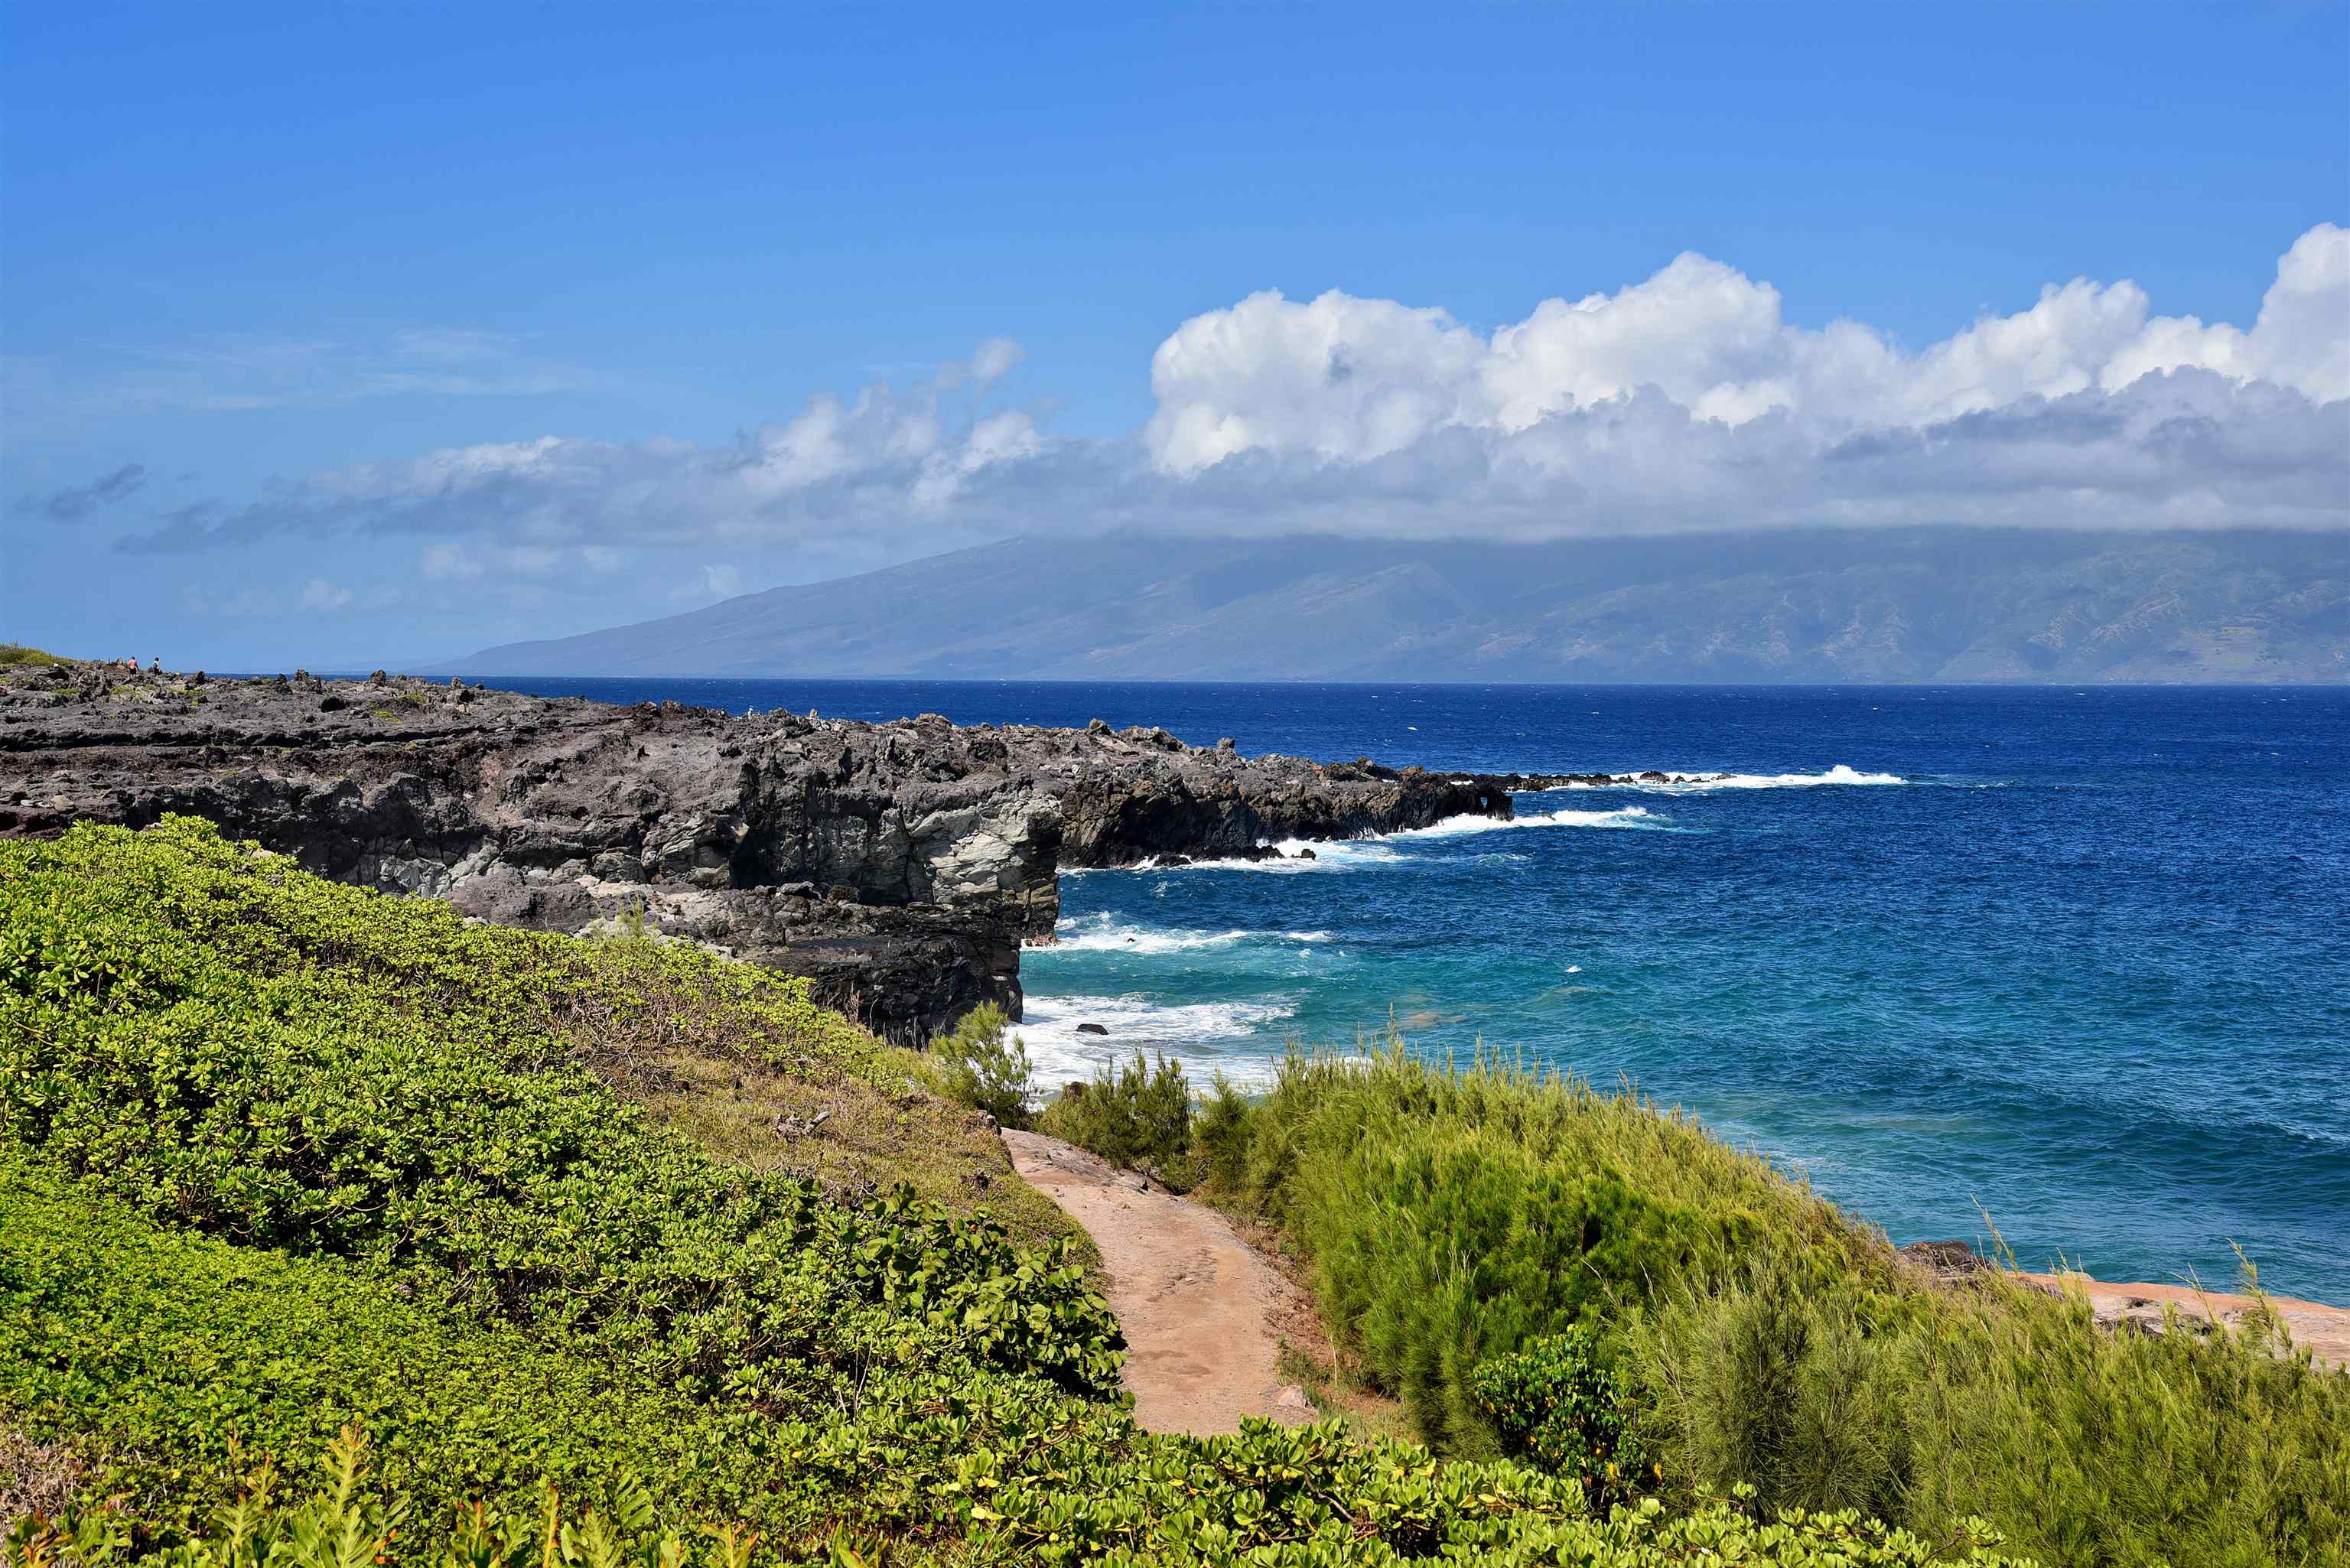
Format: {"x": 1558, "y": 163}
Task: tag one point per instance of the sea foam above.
{"x": 1099, "y": 933}
{"x": 1699, "y": 783}
{"x": 1188, "y": 1032}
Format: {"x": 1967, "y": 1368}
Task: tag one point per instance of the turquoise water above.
{"x": 2073, "y": 959}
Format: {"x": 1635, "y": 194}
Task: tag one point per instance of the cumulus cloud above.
{"x": 1350, "y": 380}
{"x": 74, "y": 503}
{"x": 321, "y": 594}
{"x": 1685, "y": 400}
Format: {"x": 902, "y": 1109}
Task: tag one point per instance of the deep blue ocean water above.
{"x": 2079, "y": 960}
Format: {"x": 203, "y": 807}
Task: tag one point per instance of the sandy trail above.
{"x": 1199, "y": 1304}
{"x": 2322, "y": 1330}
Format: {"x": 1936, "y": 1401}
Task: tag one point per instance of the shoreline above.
{"x": 2322, "y": 1330}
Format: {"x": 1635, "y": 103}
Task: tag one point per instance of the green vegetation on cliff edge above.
{"x": 295, "y": 1176}
{"x": 1449, "y": 1217}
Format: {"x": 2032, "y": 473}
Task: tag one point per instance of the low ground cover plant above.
{"x": 182, "y": 1026}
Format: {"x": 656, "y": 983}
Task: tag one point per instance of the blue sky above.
{"x": 289, "y": 264}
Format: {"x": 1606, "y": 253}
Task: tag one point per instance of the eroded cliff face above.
{"x": 900, "y": 866}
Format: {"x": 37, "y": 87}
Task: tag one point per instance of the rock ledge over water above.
{"x": 900, "y": 864}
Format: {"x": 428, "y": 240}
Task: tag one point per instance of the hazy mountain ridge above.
{"x": 1924, "y": 604}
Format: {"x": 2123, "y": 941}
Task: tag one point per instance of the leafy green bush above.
{"x": 1554, "y": 1406}
{"x": 177, "y": 1345}
{"x": 17, "y": 653}
{"x": 1267, "y": 1497}
{"x": 978, "y": 1067}
{"x": 179, "y": 1024}
{"x": 1133, "y": 1113}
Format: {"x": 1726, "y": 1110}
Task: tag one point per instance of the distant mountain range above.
{"x": 1913, "y": 605}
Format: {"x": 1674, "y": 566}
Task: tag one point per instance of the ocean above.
{"x": 2073, "y": 964}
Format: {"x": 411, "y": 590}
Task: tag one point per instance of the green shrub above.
{"x": 1452, "y": 1218}
{"x": 182, "y": 1347}
{"x": 1554, "y": 1406}
{"x": 978, "y": 1067}
{"x": 1133, "y": 1113}
{"x": 180, "y": 1022}
{"x": 17, "y": 653}
{"x": 1267, "y": 1497}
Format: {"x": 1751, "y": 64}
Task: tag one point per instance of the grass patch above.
{"x": 14, "y": 653}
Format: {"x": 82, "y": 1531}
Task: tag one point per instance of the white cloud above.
{"x": 1349, "y": 380}
{"x": 993, "y": 360}
{"x": 243, "y": 601}
{"x": 322, "y": 595}
{"x": 1682, "y": 402}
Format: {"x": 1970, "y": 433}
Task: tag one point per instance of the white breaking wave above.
{"x": 1699, "y": 783}
{"x": 1635, "y": 817}
{"x": 1099, "y": 933}
{"x": 1378, "y": 848}
{"x": 1203, "y": 1035}
{"x": 1333, "y": 854}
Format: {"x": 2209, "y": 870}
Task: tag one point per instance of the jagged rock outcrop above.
{"x": 899, "y": 865}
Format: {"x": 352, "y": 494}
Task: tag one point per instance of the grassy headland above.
{"x": 1759, "y": 1336}
{"x": 293, "y": 1174}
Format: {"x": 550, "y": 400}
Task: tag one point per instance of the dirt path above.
{"x": 1198, "y": 1305}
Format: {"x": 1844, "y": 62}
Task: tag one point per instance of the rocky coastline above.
{"x": 902, "y": 866}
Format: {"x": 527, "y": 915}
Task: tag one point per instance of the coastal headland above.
{"x": 900, "y": 866}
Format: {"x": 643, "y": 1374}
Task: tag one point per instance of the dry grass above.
{"x": 744, "y": 1065}
{"x": 853, "y": 1135}
{"x": 36, "y": 1478}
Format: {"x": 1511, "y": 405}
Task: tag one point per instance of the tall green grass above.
{"x": 1451, "y": 1217}
{"x": 1996, "y": 1399}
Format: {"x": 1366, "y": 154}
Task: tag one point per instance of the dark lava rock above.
{"x": 941, "y": 846}
{"x": 1944, "y": 1260}
{"x": 1091, "y": 1029}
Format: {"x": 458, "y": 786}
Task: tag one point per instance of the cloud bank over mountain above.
{"x": 1684, "y": 401}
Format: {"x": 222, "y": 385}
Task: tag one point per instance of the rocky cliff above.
{"x": 901, "y": 864}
